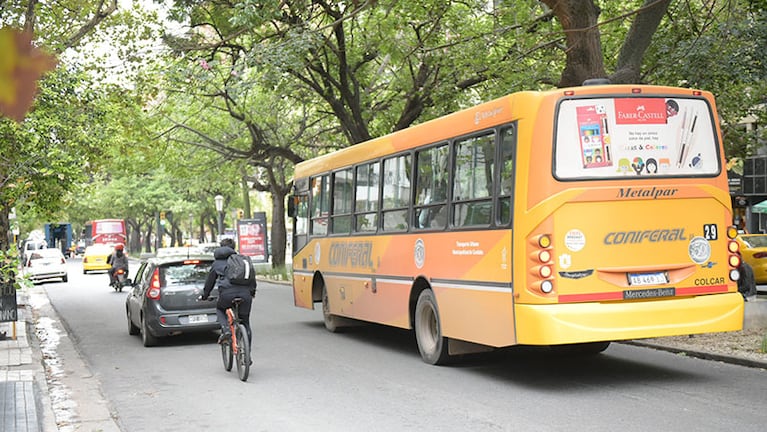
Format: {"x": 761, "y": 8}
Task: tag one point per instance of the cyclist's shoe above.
{"x": 224, "y": 338}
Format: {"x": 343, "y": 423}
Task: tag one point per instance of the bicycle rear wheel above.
{"x": 226, "y": 354}
{"x": 243, "y": 352}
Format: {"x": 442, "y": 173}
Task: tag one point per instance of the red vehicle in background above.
{"x": 105, "y": 231}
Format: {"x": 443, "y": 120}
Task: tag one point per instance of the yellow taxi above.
{"x": 753, "y": 249}
{"x": 95, "y": 258}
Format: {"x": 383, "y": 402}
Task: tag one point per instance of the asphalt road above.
{"x": 371, "y": 378}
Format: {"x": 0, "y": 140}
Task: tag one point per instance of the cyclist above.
{"x": 227, "y": 291}
{"x": 118, "y": 260}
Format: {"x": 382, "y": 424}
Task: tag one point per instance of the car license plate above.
{"x": 642, "y": 279}
{"x": 195, "y": 319}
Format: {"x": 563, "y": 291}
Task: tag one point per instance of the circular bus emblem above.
{"x": 419, "y": 253}
{"x": 575, "y": 240}
{"x": 699, "y": 250}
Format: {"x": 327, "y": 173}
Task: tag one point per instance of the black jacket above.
{"x": 217, "y": 271}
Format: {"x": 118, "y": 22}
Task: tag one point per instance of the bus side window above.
{"x": 301, "y": 214}
{"x": 320, "y": 190}
{"x": 396, "y": 193}
{"x": 342, "y": 202}
{"x": 431, "y": 188}
{"x": 506, "y": 186}
{"x": 366, "y": 204}
{"x": 473, "y": 183}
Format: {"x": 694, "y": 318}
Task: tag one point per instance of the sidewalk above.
{"x": 24, "y": 405}
{"x": 25, "y": 398}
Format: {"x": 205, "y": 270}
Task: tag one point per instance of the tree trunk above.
{"x": 148, "y": 237}
{"x": 6, "y": 237}
{"x": 637, "y": 41}
{"x": 279, "y": 232}
{"x": 579, "y": 20}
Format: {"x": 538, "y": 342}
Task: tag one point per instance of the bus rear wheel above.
{"x": 428, "y": 330}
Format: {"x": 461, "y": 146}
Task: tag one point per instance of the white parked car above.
{"x": 45, "y": 264}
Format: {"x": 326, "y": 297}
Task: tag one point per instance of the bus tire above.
{"x": 331, "y": 321}
{"x": 428, "y": 330}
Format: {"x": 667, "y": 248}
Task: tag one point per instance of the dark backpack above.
{"x": 239, "y": 270}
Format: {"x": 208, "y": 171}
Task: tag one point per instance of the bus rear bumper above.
{"x": 611, "y": 321}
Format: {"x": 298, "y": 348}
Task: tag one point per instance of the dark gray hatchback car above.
{"x": 163, "y": 298}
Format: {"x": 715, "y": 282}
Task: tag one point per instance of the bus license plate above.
{"x": 642, "y": 279}
{"x": 195, "y": 319}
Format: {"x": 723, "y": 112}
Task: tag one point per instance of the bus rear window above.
{"x": 634, "y": 137}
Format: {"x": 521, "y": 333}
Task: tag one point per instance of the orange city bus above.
{"x": 571, "y": 217}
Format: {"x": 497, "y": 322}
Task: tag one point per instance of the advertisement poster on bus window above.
{"x": 252, "y": 238}
{"x": 593, "y": 136}
{"x": 635, "y": 136}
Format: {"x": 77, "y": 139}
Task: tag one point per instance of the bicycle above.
{"x": 238, "y": 345}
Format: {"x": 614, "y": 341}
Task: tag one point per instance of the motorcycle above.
{"x": 121, "y": 279}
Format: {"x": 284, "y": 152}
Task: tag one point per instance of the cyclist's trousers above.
{"x": 225, "y": 297}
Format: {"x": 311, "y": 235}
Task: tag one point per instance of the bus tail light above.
{"x": 733, "y": 248}
{"x": 542, "y": 267}
{"x": 734, "y": 275}
{"x": 545, "y": 271}
{"x": 547, "y": 286}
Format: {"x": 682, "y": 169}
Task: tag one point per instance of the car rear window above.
{"x": 186, "y": 272}
{"x": 45, "y": 253}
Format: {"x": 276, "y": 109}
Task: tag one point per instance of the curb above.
{"x": 702, "y": 354}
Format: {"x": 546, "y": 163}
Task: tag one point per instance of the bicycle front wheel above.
{"x": 243, "y": 352}
{"x": 226, "y": 354}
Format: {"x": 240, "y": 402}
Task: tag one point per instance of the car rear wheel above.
{"x": 133, "y": 330}
{"x": 147, "y": 338}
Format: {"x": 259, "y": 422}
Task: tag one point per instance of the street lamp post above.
{"x": 220, "y": 212}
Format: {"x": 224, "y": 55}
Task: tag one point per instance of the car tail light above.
{"x": 63, "y": 261}
{"x": 760, "y": 255}
{"x": 154, "y": 286}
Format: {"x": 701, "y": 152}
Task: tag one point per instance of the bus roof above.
{"x": 476, "y": 118}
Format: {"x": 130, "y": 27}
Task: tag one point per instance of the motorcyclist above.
{"x": 118, "y": 260}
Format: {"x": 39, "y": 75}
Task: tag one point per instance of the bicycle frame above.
{"x": 232, "y": 316}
